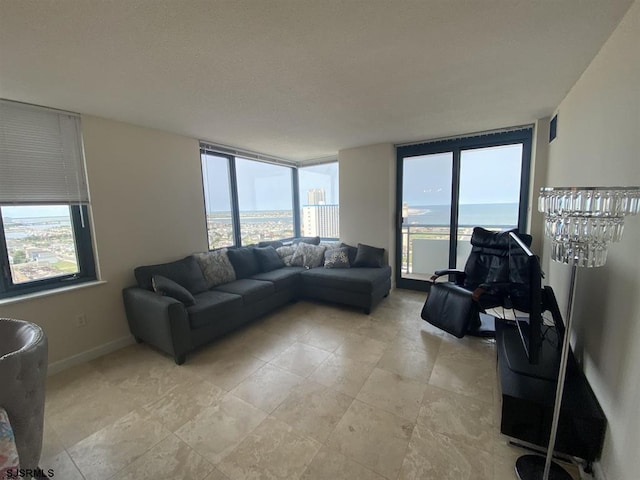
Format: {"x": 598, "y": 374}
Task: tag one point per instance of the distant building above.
{"x": 321, "y": 220}
{"x": 316, "y": 196}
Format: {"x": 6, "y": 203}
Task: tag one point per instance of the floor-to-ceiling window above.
{"x": 319, "y": 205}
{"x": 447, "y": 187}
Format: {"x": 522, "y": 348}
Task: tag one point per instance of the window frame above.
{"x": 84, "y": 251}
{"x": 209, "y": 149}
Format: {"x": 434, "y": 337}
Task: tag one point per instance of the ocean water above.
{"x": 487, "y": 214}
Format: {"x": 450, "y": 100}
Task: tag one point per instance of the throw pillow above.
{"x": 353, "y": 251}
{"x": 368, "y": 256}
{"x": 286, "y": 254}
{"x": 337, "y": 258}
{"x": 244, "y": 262}
{"x": 166, "y": 287}
{"x": 216, "y": 267}
{"x": 309, "y": 240}
{"x": 268, "y": 258}
{"x": 309, "y": 256}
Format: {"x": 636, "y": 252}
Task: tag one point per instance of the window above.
{"x": 45, "y": 239}
{"x": 259, "y": 199}
{"x": 318, "y": 193}
{"x": 265, "y": 201}
{"x": 447, "y": 187}
{"x": 217, "y": 200}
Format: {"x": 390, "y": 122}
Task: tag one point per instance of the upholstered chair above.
{"x": 23, "y": 371}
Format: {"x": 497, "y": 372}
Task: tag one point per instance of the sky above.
{"x": 487, "y": 175}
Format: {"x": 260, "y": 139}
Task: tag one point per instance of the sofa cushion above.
{"x": 213, "y": 305}
{"x": 164, "y": 286}
{"x": 368, "y": 256}
{"x": 337, "y": 258}
{"x": 308, "y": 255}
{"x": 361, "y": 280}
{"x": 244, "y": 261}
{"x": 251, "y": 290}
{"x": 268, "y": 258}
{"x": 283, "y": 278}
{"x": 185, "y": 272}
{"x": 309, "y": 240}
{"x": 216, "y": 267}
{"x": 273, "y": 243}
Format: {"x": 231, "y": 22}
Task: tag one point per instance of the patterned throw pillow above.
{"x": 9, "y": 461}
{"x": 216, "y": 267}
{"x": 308, "y": 255}
{"x": 286, "y": 254}
{"x": 337, "y": 258}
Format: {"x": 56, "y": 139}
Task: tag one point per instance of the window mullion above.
{"x": 235, "y": 205}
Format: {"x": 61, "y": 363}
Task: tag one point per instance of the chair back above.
{"x": 23, "y": 372}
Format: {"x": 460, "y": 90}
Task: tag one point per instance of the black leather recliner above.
{"x": 455, "y": 307}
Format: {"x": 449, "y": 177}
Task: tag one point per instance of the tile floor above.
{"x": 312, "y": 391}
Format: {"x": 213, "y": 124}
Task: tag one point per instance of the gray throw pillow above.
{"x": 216, "y": 267}
{"x": 268, "y": 258}
{"x": 309, "y": 256}
{"x": 368, "y": 256}
{"x": 244, "y": 262}
{"x": 337, "y": 258}
{"x": 310, "y": 240}
{"x": 166, "y": 287}
{"x": 353, "y": 251}
{"x": 286, "y": 254}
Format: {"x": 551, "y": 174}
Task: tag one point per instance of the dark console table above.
{"x": 528, "y": 397}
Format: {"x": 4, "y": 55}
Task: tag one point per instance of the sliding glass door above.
{"x": 448, "y": 187}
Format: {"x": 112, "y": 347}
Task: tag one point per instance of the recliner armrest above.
{"x": 458, "y": 274}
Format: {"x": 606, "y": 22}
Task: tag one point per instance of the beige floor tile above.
{"x": 216, "y": 475}
{"x": 331, "y": 465}
{"x": 409, "y": 360}
{"x": 377, "y": 328}
{"x": 465, "y": 368}
{"x": 76, "y": 409}
{"x": 463, "y": 419}
{"x": 271, "y": 451}
{"x": 326, "y": 337}
{"x": 313, "y": 410}
{"x": 218, "y": 429}
{"x": 362, "y": 348}
{"x": 171, "y": 458}
{"x": 267, "y": 346}
{"x": 431, "y": 455}
{"x": 267, "y": 387}
{"x": 301, "y": 359}
{"x": 343, "y": 374}
{"x": 182, "y": 404}
{"x": 393, "y": 393}
{"x": 51, "y": 443}
{"x": 60, "y": 466}
{"x": 372, "y": 437}
{"x": 102, "y": 454}
{"x": 224, "y": 369}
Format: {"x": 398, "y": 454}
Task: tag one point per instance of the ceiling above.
{"x": 302, "y": 79}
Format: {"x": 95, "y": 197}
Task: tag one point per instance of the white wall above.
{"x": 598, "y": 143}
{"x": 367, "y": 196}
{"x": 148, "y": 207}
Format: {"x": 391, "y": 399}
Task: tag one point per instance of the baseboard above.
{"x": 89, "y": 355}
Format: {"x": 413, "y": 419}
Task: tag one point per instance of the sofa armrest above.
{"x": 158, "y": 320}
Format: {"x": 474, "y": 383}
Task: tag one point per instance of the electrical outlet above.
{"x": 81, "y": 320}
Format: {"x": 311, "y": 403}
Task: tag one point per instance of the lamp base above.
{"x": 531, "y": 467}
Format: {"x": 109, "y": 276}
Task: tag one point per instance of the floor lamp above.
{"x": 581, "y": 223}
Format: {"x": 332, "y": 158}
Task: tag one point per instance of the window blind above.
{"x": 41, "y": 156}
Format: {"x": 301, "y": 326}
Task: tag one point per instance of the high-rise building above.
{"x": 316, "y": 196}
{"x": 321, "y": 220}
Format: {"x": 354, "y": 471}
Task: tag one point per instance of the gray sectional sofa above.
{"x": 180, "y": 306}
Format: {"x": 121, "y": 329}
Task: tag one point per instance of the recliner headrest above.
{"x": 499, "y": 240}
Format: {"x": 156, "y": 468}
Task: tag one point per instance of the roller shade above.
{"x": 41, "y": 157}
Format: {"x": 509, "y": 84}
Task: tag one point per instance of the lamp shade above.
{"x": 582, "y": 221}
